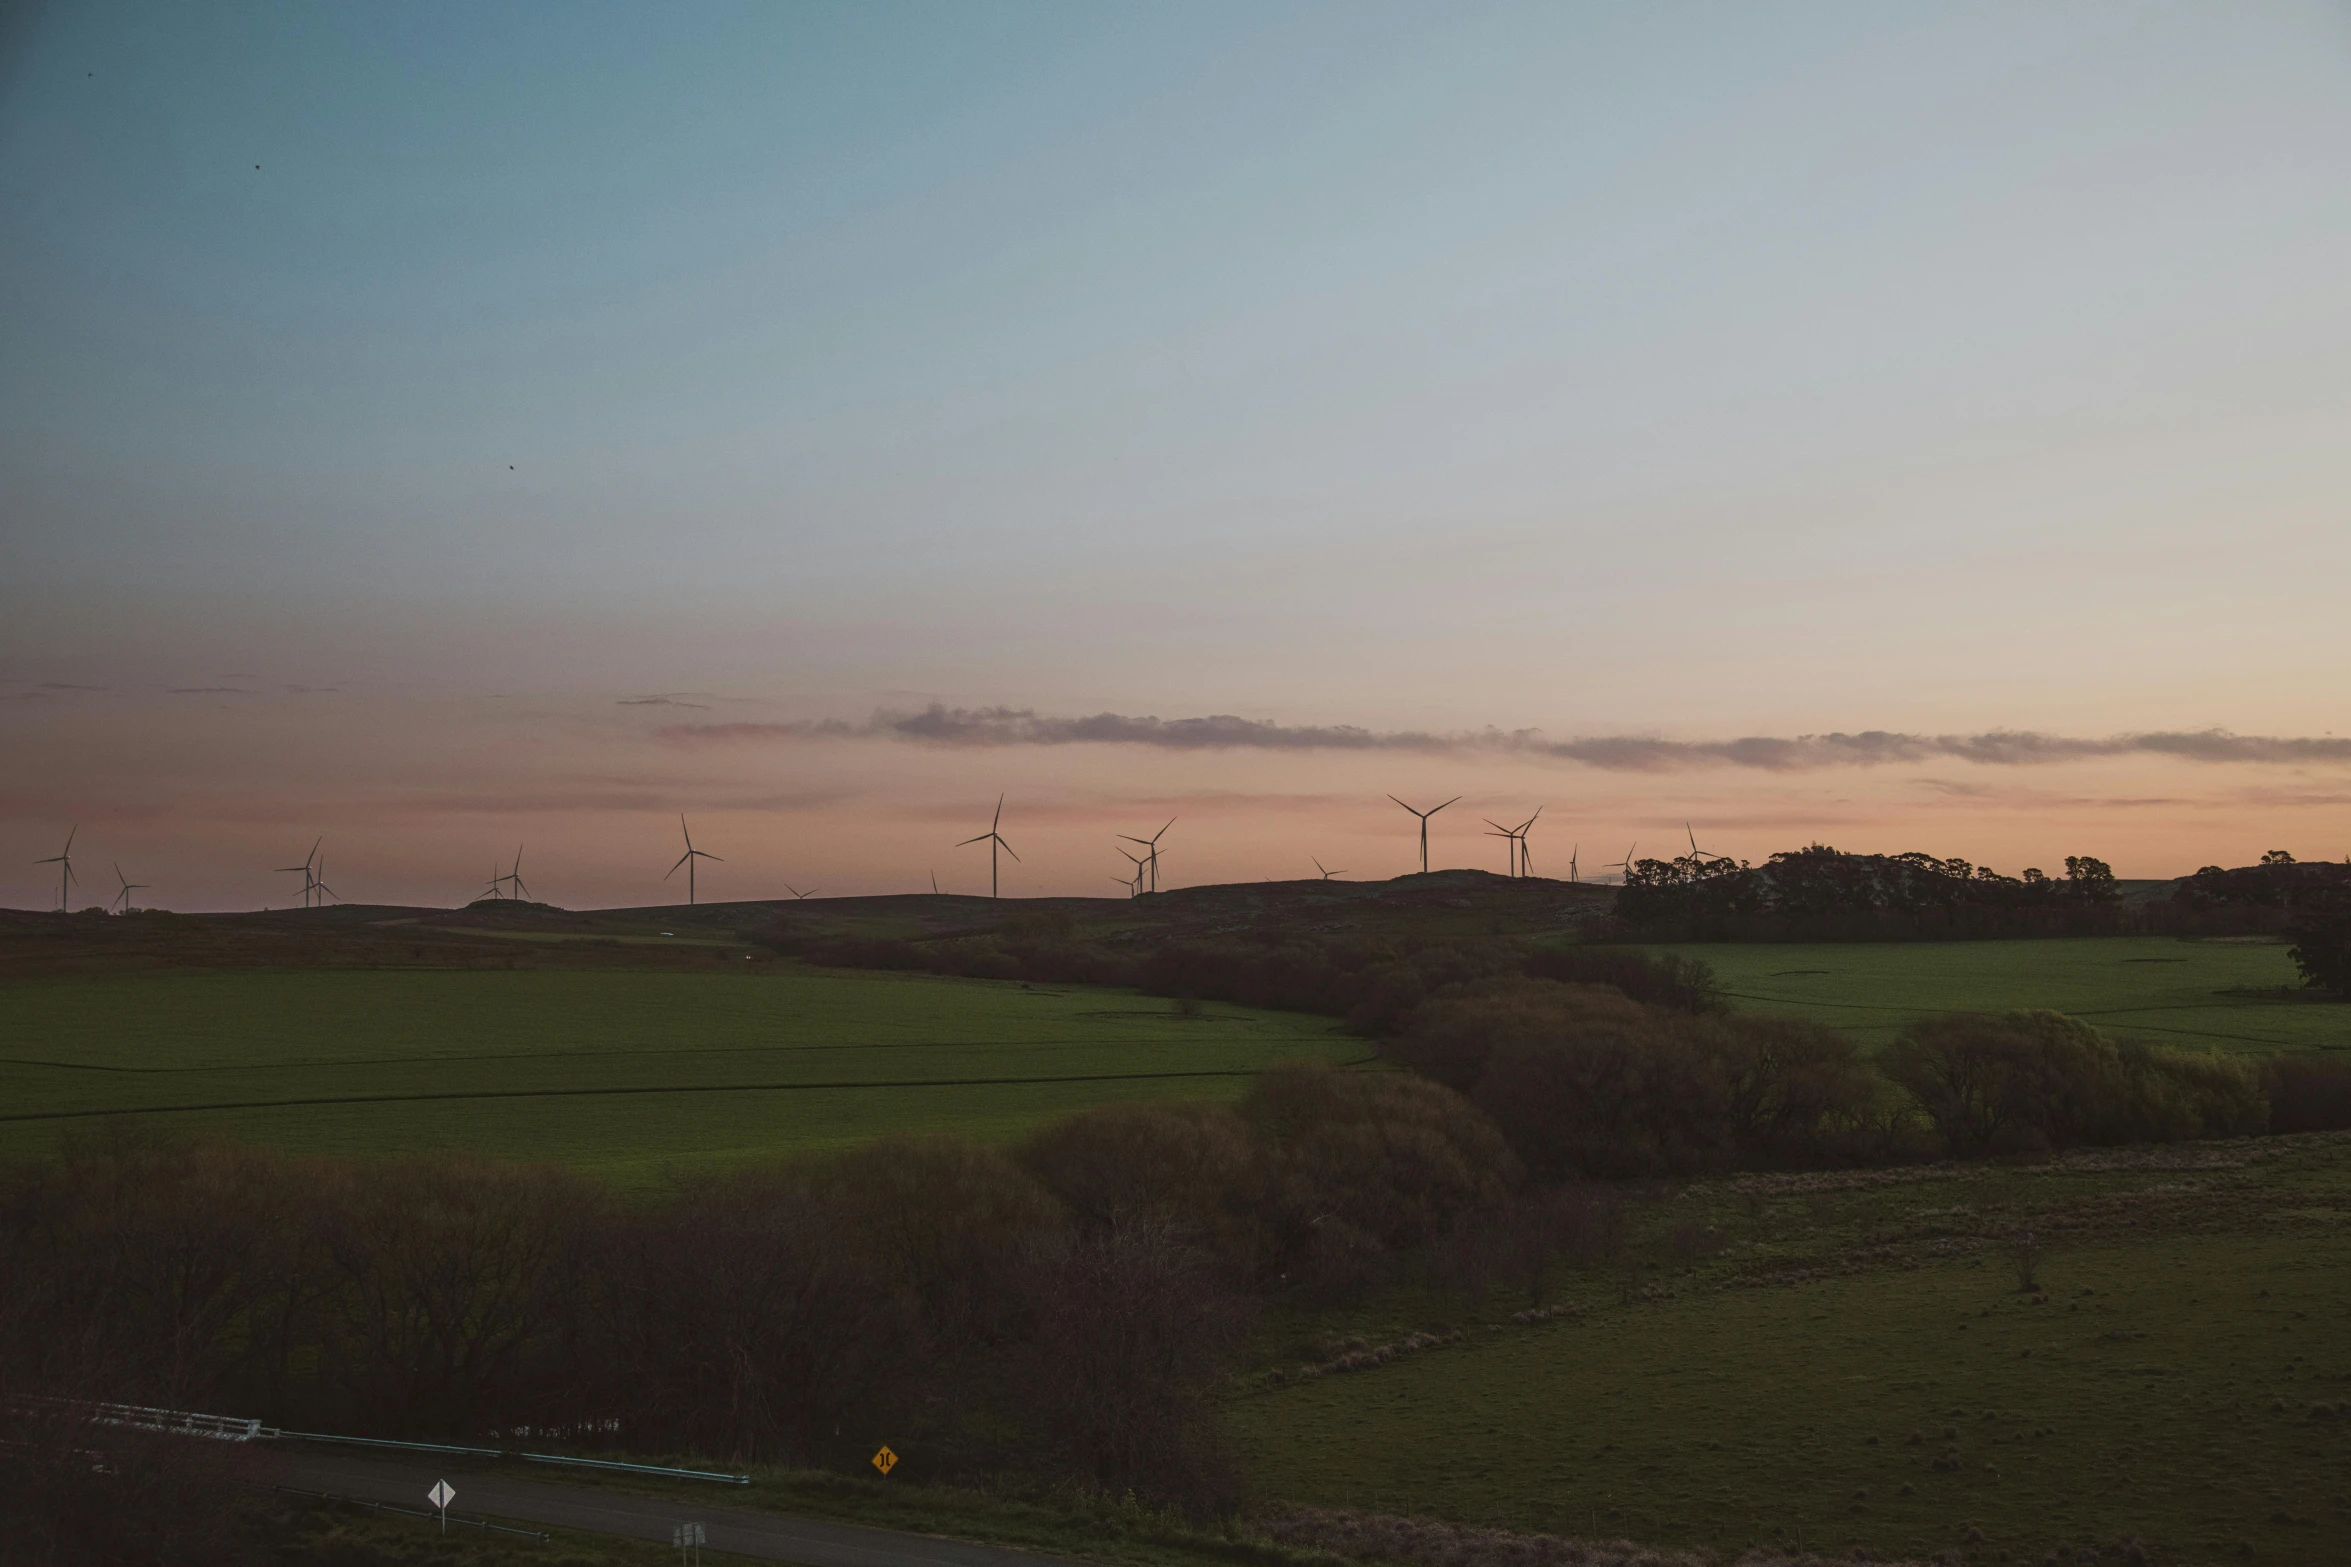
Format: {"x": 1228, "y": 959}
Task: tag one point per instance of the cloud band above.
{"x": 1018, "y": 726}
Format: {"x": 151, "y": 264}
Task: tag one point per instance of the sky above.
{"x": 448, "y": 428}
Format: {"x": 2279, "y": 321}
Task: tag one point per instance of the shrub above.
{"x": 2307, "y": 1094}
{"x": 1364, "y": 1162}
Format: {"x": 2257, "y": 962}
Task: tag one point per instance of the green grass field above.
{"x": 2185, "y": 1376}
{"x": 621, "y": 1073}
{"x": 2219, "y": 995}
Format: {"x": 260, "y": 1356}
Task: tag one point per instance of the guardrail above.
{"x": 236, "y": 1428}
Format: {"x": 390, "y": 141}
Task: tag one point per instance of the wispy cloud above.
{"x": 1011, "y": 726}
{"x": 208, "y": 690}
{"x": 660, "y": 701}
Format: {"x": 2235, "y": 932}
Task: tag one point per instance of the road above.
{"x": 765, "y": 1536}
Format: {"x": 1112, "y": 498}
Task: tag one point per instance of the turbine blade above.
{"x": 1434, "y": 809}
{"x": 1007, "y": 848}
{"x": 673, "y": 870}
{"x": 968, "y": 842}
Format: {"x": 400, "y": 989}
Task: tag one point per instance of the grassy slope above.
{"x": 2162, "y": 1387}
{"x": 2222, "y": 995}
{"x": 676, "y": 1060}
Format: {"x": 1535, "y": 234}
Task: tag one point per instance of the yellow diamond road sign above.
{"x": 885, "y": 1460}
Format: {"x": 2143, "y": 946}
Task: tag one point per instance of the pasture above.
{"x": 2231, "y": 996}
{"x": 625, "y": 1074}
{"x": 1846, "y": 1360}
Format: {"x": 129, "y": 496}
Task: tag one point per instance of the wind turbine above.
{"x": 497, "y": 886}
{"x": 308, "y": 870}
{"x": 1134, "y": 887}
{"x": 1572, "y": 873}
{"x": 123, "y": 898}
{"x": 994, "y": 840}
{"x": 63, "y": 859}
{"x": 521, "y": 892}
{"x": 319, "y": 884}
{"x": 1152, "y": 843}
{"x": 1508, "y": 835}
{"x": 687, "y": 859}
{"x": 1327, "y": 873}
{"x": 798, "y": 894}
{"x": 1424, "y": 827}
{"x": 1626, "y": 864}
{"x": 1526, "y": 854}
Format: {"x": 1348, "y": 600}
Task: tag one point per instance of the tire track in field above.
{"x": 688, "y": 1088}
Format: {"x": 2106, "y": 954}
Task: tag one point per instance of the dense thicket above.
{"x": 1821, "y": 894}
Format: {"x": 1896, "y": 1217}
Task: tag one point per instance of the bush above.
{"x": 2028, "y": 1082}
{"x": 1363, "y": 1165}
{"x": 2307, "y": 1094}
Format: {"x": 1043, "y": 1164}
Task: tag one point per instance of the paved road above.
{"x": 766, "y": 1536}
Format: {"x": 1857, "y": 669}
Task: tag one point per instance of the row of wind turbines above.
{"x": 63, "y": 860}
{"x": 1144, "y": 867}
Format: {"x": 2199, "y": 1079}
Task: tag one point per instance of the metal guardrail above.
{"x": 673, "y": 1472}
{"x": 174, "y": 1422}
{"x": 234, "y": 1428}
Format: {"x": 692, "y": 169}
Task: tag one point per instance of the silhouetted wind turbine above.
{"x": 1327, "y": 873}
{"x": 1424, "y": 827}
{"x": 308, "y": 870}
{"x": 63, "y": 860}
{"x": 1134, "y": 886}
{"x": 687, "y": 859}
{"x": 1526, "y": 853}
{"x": 1626, "y": 864}
{"x": 319, "y": 883}
{"x": 497, "y": 886}
{"x": 122, "y": 899}
{"x": 1573, "y": 874}
{"x": 521, "y": 892}
{"x": 797, "y": 893}
{"x": 1508, "y": 835}
{"x": 994, "y": 841}
{"x": 1152, "y": 843}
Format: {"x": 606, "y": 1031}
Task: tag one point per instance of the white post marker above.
{"x": 441, "y": 1496}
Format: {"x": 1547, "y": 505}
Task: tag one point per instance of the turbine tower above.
{"x": 122, "y": 899}
{"x": 994, "y": 840}
{"x": 63, "y": 860}
{"x": 1152, "y": 843}
{"x": 1509, "y": 835}
{"x": 1424, "y": 827}
{"x": 686, "y": 859}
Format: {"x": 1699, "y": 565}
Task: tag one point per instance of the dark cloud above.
{"x": 1020, "y": 726}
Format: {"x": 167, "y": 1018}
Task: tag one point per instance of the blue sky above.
{"x": 1687, "y": 370}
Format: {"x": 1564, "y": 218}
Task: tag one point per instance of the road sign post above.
{"x": 441, "y": 1496}
{"x": 685, "y": 1536}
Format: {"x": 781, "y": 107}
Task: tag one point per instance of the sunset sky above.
{"x": 442, "y": 427}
